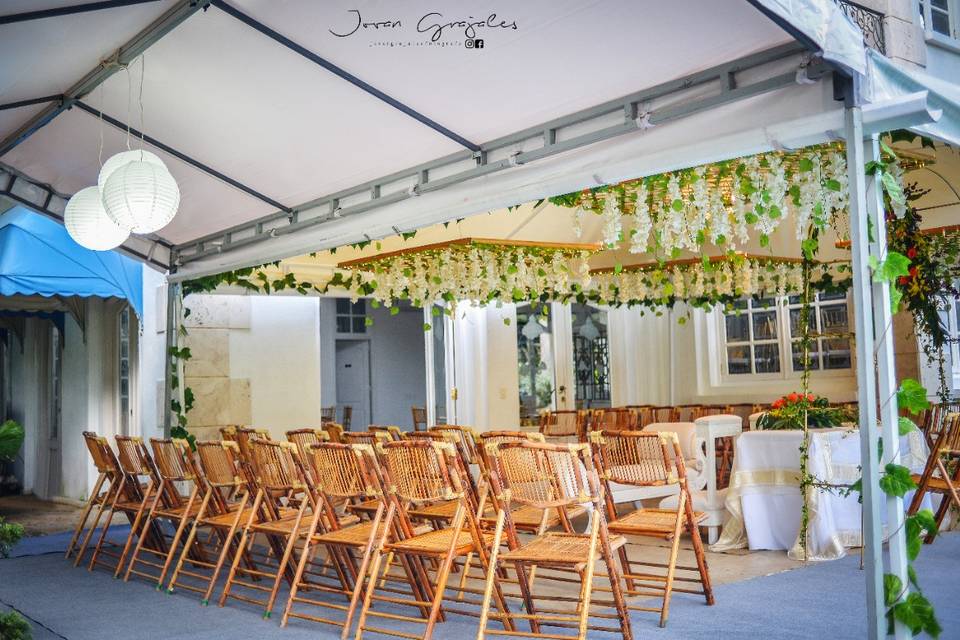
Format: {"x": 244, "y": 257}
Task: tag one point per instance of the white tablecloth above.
{"x": 764, "y": 503}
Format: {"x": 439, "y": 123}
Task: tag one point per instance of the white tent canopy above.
{"x": 285, "y": 135}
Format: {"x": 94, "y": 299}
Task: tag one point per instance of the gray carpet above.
{"x": 824, "y": 600}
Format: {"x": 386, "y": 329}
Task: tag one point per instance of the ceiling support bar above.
{"x": 342, "y": 73}
{"x": 43, "y": 199}
{"x": 27, "y": 16}
{"x": 121, "y": 57}
{"x": 83, "y": 106}
{"x": 457, "y": 168}
{"x": 30, "y": 101}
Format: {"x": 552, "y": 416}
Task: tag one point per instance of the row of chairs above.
{"x": 394, "y": 516}
{"x": 941, "y": 474}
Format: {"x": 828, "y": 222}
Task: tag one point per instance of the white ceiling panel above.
{"x": 47, "y": 56}
{"x": 11, "y": 119}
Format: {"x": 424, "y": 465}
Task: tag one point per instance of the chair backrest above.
{"x": 328, "y": 414}
{"x": 664, "y": 414}
{"x": 133, "y": 456}
{"x": 419, "y": 418}
{"x": 545, "y": 475}
{"x": 219, "y": 462}
{"x": 304, "y": 437}
{"x": 229, "y": 433}
{"x": 172, "y": 459}
{"x": 103, "y": 457}
{"x": 334, "y": 431}
{"x": 638, "y": 458}
{"x": 344, "y": 470}
{"x": 365, "y": 437}
{"x": 936, "y": 419}
{"x": 421, "y": 470}
{"x": 392, "y": 431}
{"x": 562, "y": 423}
{"x": 347, "y": 420}
{"x": 948, "y": 442}
{"x": 276, "y": 465}
{"x": 466, "y": 437}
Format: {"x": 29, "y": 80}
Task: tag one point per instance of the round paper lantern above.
{"x": 89, "y": 225}
{"x": 142, "y": 196}
{"x": 118, "y": 160}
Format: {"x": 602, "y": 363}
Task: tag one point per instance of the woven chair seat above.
{"x": 934, "y": 483}
{"x": 528, "y": 518}
{"x": 225, "y": 520}
{"x": 180, "y": 511}
{"x": 355, "y": 536}
{"x": 284, "y": 525}
{"x": 437, "y": 543}
{"x": 650, "y": 522}
{"x": 559, "y": 548}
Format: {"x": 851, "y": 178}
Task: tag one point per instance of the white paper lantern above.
{"x": 142, "y": 196}
{"x": 118, "y": 160}
{"x": 89, "y": 225}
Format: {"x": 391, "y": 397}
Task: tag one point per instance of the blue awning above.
{"x": 38, "y": 257}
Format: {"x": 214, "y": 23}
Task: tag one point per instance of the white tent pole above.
{"x": 887, "y": 374}
{"x": 866, "y": 380}
{"x": 173, "y": 296}
{"x": 428, "y": 354}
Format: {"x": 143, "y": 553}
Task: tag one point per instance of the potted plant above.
{"x": 788, "y": 413}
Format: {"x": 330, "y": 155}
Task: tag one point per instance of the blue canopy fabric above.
{"x": 38, "y": 257}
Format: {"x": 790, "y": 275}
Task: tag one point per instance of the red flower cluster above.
{"x": 792, "y": 398}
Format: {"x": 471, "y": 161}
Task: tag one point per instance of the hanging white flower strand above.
{"x": 640, "y": 237}
{"x": 612, "y": 225}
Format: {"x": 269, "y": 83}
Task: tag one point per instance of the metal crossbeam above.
{"x": 45, "y": 200}
{"x": 122, "y": 56}
{"x": 725, "y": 80}
{"x": 179, "y": 154}
{"x": 66, "y": 11}
{"x": 30, "y": 101}
{"x": 342, "y": 73}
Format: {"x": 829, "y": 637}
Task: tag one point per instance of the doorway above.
{"x": 353, "y": 380}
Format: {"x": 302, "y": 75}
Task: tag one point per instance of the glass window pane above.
{"x": 359, "y": 324}
{"x": 836, "y": 354}
{"x": 765, "y": 303}
{"x": 740, "y": 304}
{"x": 764, "y": 325}
{"x": 360, "y": 306}
{"x": 833, "y": 318}
{"x": 795, "y": 322}
{"x": 738, "y": 327}
{"x": 798, "y": 356}
{"x": 836, "y": 295}
{"x": 941, "y": 22}
{"x": 766, "y": 358}
{"x": 343, "y": 324}
{"x": 591, "y": 356}
{"x": 343, "y": 305}
{"x": 738, "y": 360}
{"x": 939, "y": 4}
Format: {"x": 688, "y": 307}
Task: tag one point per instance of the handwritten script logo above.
{"x": 433, "y": 24}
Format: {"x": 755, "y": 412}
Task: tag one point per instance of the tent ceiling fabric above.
{"x": 236, "y": 100}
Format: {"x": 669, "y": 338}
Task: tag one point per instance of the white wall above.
{"x": 151, "y": 348}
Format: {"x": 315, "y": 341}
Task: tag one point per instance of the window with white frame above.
{"x": 351, "y": 316}
{"x": 941, "y": 17}
{"x": 762, "y": 337}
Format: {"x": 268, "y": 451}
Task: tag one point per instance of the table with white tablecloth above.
{"x": 764, "y": 504}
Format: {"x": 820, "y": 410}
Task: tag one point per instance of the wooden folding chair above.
{"x": 644, "y": 459}
{"x": 328, "y": 414}
{"x": 305, "y": 437}
{"x": 280, "y": 479}
{"x": 526, "y": 518}
{"x": 347, "y": 420}
{"x": 467, "y": 438}
{"x": 937, "y": 476}
{"x": 174, "y": 467}
{"x": 934, "y": 420}
{"x": 545, "y": 476}
{"x": 345, "y": 472}
{"x": 132, "y": 499}
{"x": 108, "y": 481}
{"x": 419, "y": 418}
{"x": 222, "y": 512}
{"x": 419, "y": 472}
{"x": 563, "y": 424}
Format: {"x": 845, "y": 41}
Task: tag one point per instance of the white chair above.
{"x": 707, "y": 498}
{"x": 695, "y": 460}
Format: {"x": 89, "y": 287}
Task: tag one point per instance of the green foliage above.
{"x": 892, "y": 267}
{"x": 912, "y": 396}
{"x": 14, "y": 627}
{"x": 10, "y": 535}
{"x": 896, "y": 480}
{"x": 905, "y": 425}
{"x": 11, "y": 439}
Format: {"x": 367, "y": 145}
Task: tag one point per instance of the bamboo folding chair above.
{"x": 222, "y": 512}
{"x": 467, "y": 439}
{"x": 174, "y": 466}
{"x": 546, "y": 476}
{"x": 347, "y": 420}
{"x": 303, "y": 438}
{"x": 365, "y": 507}
{"x": 279, "y": 479}
{"x": 419, "y": 418}
{"x": 108, "y": 482}
{"x": 131, "y": 498}
{"x": 526, "y": 518}
{"x": 644, "y": 459}
{"x": 937, "y": 476}
{"x": 934, "y": 420}
{"x": 664, "y": 414}
{"x": 563, "y": 424}
{"x": 345, "y": 472}
{"x": 442, "y": 513}
{"x": 419, "y": 472}
{"x": 328, "y": 414}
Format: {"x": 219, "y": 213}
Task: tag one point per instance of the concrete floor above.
{"x": 39, "y": 517}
